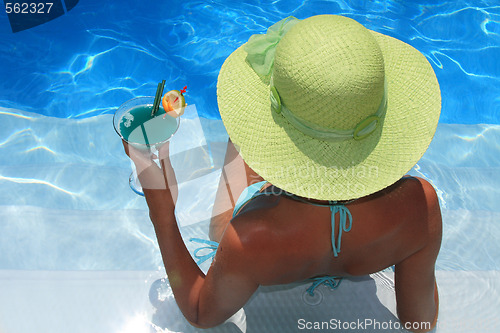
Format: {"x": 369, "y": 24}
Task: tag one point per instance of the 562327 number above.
{"x": 28, "y": 7}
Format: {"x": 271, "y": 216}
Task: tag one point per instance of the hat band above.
{"x": 363, "y": 129}
{"x": 261, "y": 48}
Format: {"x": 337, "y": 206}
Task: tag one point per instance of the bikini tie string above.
{"x": 331, "y": 281}
{"x": 344, "y": 225}
{"x": 212, "y": 246}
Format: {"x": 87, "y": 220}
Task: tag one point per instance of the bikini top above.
{"x": 258, "y": 189}
{"x": 345, "y": 217}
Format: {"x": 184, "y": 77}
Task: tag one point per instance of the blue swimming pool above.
{"x": 101, "y": 53}
{"x": 75, "y": 242}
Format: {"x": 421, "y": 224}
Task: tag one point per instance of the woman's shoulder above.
{"x": 426, "y": 185}
{"x": 417, "y": 202}
{"x": 410, "y": 204}
{"x": 424, "y": 188}
{"x": 433, "y": 209}
{"x": 417, "y": 187}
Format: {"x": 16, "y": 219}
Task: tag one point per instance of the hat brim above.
{"x": 344, "y": 170}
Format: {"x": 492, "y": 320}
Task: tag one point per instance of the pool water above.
{"x": 75, "y": 241}
{"x": 102, "y": 53}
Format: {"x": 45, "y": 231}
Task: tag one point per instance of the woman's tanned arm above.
{"x": 416, "y": 288}
{"x": 205, "y": 300}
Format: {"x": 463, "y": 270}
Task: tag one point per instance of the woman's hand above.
{"x": 151, "y": 176}
{"x": 148, "y": 172}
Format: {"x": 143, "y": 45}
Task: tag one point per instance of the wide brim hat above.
{"x": 327, "y": 109}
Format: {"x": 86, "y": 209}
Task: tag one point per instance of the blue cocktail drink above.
{"x": 135, "y": 125}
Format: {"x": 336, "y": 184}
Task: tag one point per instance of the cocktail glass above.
{"x": 134, "y": 124}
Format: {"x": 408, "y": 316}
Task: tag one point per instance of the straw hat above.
{"x": 327, "y": 109}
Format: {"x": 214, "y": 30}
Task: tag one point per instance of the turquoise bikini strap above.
{"x": 212, "y": 246}
{"x": 250, "y": 192}
{"x": 343, "y": 225}
{"x": 331, "y": 281}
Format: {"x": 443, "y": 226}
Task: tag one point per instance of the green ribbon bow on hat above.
{"x": 261, "y": 48}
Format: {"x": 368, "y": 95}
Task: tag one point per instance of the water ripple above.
{"x": 37, "y": 181}
{"x": 91, "y": 64}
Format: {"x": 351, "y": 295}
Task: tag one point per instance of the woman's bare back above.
{"x": 283, "y": 240}
{"x": 387, "y": 227}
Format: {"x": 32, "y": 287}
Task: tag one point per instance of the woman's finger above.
{"x": 164, "y": 150}
{"x": 125, "y": 147}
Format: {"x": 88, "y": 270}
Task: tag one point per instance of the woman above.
{"x": 332, "y": 116}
